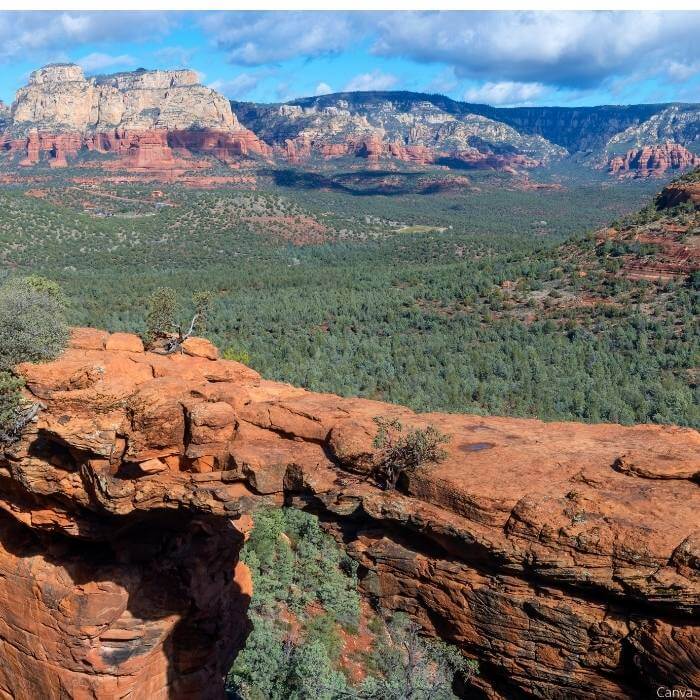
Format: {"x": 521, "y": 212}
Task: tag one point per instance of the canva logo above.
{"x": 664, "y": 692}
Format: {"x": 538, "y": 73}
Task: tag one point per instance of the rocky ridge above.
{"x": 675, "y": 124}
{"x": 565, "y": 557}
{"x": 419, "y": 132}
{"x": 165, "y": 121}
{"x": 59, "y": 99}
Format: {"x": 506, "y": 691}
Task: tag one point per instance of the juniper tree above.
{"x": 33, "y": 324}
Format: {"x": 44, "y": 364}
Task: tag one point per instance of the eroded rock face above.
{"x": 653, "y": 161}
{"x": 60, "y": 99}
{"x": 140, "y": 116}
{"x": 565, "y": 557}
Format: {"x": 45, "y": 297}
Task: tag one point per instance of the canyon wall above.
{"x": 564, "y": 557}
{"x": 61, "y": 113}
{"x": 59, "y": 98}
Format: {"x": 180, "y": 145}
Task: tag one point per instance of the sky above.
{"x": 500, "y": 58}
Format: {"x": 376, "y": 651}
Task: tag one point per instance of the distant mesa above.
{"x": 139, "y": 117}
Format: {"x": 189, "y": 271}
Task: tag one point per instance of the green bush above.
{"x": 160, "y": 319}
{"x": 32, "y": 321}
{"x": 237, "y": 354}
{"x": 412, "y": 666}
{"x": 10, "y": 406}
{"x": 401, "y": 452}
{"x": 164, "y": 312}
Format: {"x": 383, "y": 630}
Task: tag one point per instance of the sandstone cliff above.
{"x": 414, "y": 131}
{"x": 677, "y": 123}
{"x": 60, "y": 99}
{"x": 565, "y": 557}
{"x": 141, "y": 115}
{"x": 653, "y": 161}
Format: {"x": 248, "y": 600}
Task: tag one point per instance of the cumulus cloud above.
{"x": 573, "y": 50}
{"x": 257, "y": 38}
{"x": 42, "y": 34}
{"x": 505, "y": 93}
{"x": 566, "y": 49}
{"x": 323, "y": 89}
{"x": 237, "y": 88}
{"x": 97, "y": 62}
{"x": 375, "y": 80}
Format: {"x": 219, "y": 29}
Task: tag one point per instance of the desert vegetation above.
{"x": 510, "y": 308}
{"x": 401, "y": 451}
{"x": 32, "y": 329}
{"x": 304, "y": 611}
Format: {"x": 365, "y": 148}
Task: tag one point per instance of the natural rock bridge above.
{"x": 564, "y": 557}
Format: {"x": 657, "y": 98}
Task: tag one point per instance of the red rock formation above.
{"x": 373, "y": 148}
{"x": 224, "y": 145}
{"x": 653, "y": 161}
{"x": 139, "y": 150}
{"x": 565, "y": 557}
{"x": 678, "y": 193}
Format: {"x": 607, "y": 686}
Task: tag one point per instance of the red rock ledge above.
{"x": 565, "y": 557}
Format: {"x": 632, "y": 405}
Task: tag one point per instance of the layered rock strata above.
{"x": 653, "y": 161}
{"x": 139, "y": 117}
{"x": 564, "y": 557}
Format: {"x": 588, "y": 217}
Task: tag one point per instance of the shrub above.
{"x": 32, "y": 321}
{"x": 162, "y": 323}
{"x": 295, "y": 650}
{"x": 237, "y": 354}
{"x": 412, "y": 666}
{"x": 401, "y": 452}
{"x": 160, "y": 319}
{"x": 10, "y": 407}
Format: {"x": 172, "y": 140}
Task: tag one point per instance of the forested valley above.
{"x": 494, "y": 299}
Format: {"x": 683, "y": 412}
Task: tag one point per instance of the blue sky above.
{"x": 502, "y": 58}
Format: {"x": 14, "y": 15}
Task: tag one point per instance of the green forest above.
{"x": 474, "y": 301}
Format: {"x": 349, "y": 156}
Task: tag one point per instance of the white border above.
{"x": 327, "y": 5}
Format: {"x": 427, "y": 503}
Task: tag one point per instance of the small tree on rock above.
{"x": 160, "y": 319}
{"x": 401, "y": 451}
{"x": 163, "y": 332}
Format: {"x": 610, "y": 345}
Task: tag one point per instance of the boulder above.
{"x": 200, "y": 347}
{"x": 126, "y": 342}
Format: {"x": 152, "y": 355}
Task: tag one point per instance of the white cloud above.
{"x": 97, "y": 62}
{"x": 42, "y": 34}
{"x": 375, "y": 80}
{"x": 237, "y": 88}
{"x": 567, "y": 49}
{"x": 573, "y": 50}
{"x": 323, "y": 89}
{"x": 680, "y": 71}
{"x": 505, "y": 93}
{"x": 256, "y": 38}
